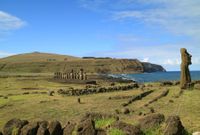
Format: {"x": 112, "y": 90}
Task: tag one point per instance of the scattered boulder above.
{"x": 86, "y": 127}
{"x": 125, "y": 111}
{"x": 69, "y": 128}
{"x": 13, "y": 124}
{"x": 171, "y": 101}
{"x": 30, "y": 129}
{"x": 151, "y": 120}
{"x": 140, "y": 113}
{"x": 174, "y": 126}
{"x": 128, "y": 129}
{"x": 55, "y": 128}
{"x": 50, "y": 93}
{"x": 152, "y": 110}
{"x": 42, "y": 130}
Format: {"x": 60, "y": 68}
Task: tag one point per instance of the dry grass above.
{"x": 42, "y": 106}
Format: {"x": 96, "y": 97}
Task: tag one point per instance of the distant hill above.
{"x": 37, "y": 57}
{"x": 44, "y": 63}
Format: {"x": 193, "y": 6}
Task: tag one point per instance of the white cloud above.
{"x": 180, "y": 17}
{"x": 145, "y": 60}
{"x": 196, "y": 61}
{"x": 172, "y": 62}
{"x": 9, "y": 22}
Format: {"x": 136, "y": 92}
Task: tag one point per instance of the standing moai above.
{"x": 185, "y": 80}
{"x": 72, "y": 74}
{"x": 85, "y": 76}
{"x": 81, "y": 74}
{"x": 55, "y": 75}
{"x": 77, "y": 76}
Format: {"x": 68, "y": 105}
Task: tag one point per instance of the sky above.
{"x": 148, "y": 30}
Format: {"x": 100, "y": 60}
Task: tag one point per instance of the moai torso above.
{"x": 71, "y": 74}
{"x": 81, "y": 74}
{"x": 84, "y": 76}
{"x": 185, "y": 73}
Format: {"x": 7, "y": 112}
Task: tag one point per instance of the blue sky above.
{"x": 149, "y": 30}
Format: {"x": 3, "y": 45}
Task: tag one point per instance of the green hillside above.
{"x": 36, "y": 57}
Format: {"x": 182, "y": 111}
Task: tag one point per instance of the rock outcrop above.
{"x": 69, "y": 128}
{"x": 13, "y": 125}
{"x": 148, "y": 67}
{"x": 128, "y": 129}
{"x": 86, "y": 127}
{"x": 30, "y": 129}
{"x": 55, "y": 128}
{"x": 151, "y": 121}
{"x": 174, "y": 126}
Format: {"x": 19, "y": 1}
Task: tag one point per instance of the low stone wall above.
{"x": 87, "y": 91}
{"x": 137, "y": 97}
{"x": 163, "y": 94}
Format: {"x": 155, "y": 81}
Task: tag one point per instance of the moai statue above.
{"x": 72, "y": 74}
{"x": 85, "y": 76}
{"x": 81, "y": 74}
{"x": 55, "y": 75}
{"x": 59, "y": 75}
{"x": 185, "y": 73}
{"x": 77, "y": 76}
{"x": 65, "y": 76}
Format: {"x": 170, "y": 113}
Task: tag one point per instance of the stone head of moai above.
{"x": 185, "y": 57}
{"x": 185, "y": 80}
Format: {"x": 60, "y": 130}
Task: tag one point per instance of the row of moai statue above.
{"x": 81, "y": 75}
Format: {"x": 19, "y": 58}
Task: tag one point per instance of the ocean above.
{"x": 157, "y": 76}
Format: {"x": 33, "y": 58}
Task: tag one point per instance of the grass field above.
{"x": 63, "y": 108}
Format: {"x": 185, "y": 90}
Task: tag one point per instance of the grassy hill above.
{"x": 37, "y": 57}
{"x": 48, "y": 63}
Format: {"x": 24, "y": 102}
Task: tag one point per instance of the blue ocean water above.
{"x": 157, "y": 76}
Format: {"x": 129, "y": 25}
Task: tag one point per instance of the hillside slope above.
{"x": 37, "y": 57}
{"x": 40, "y": 63}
